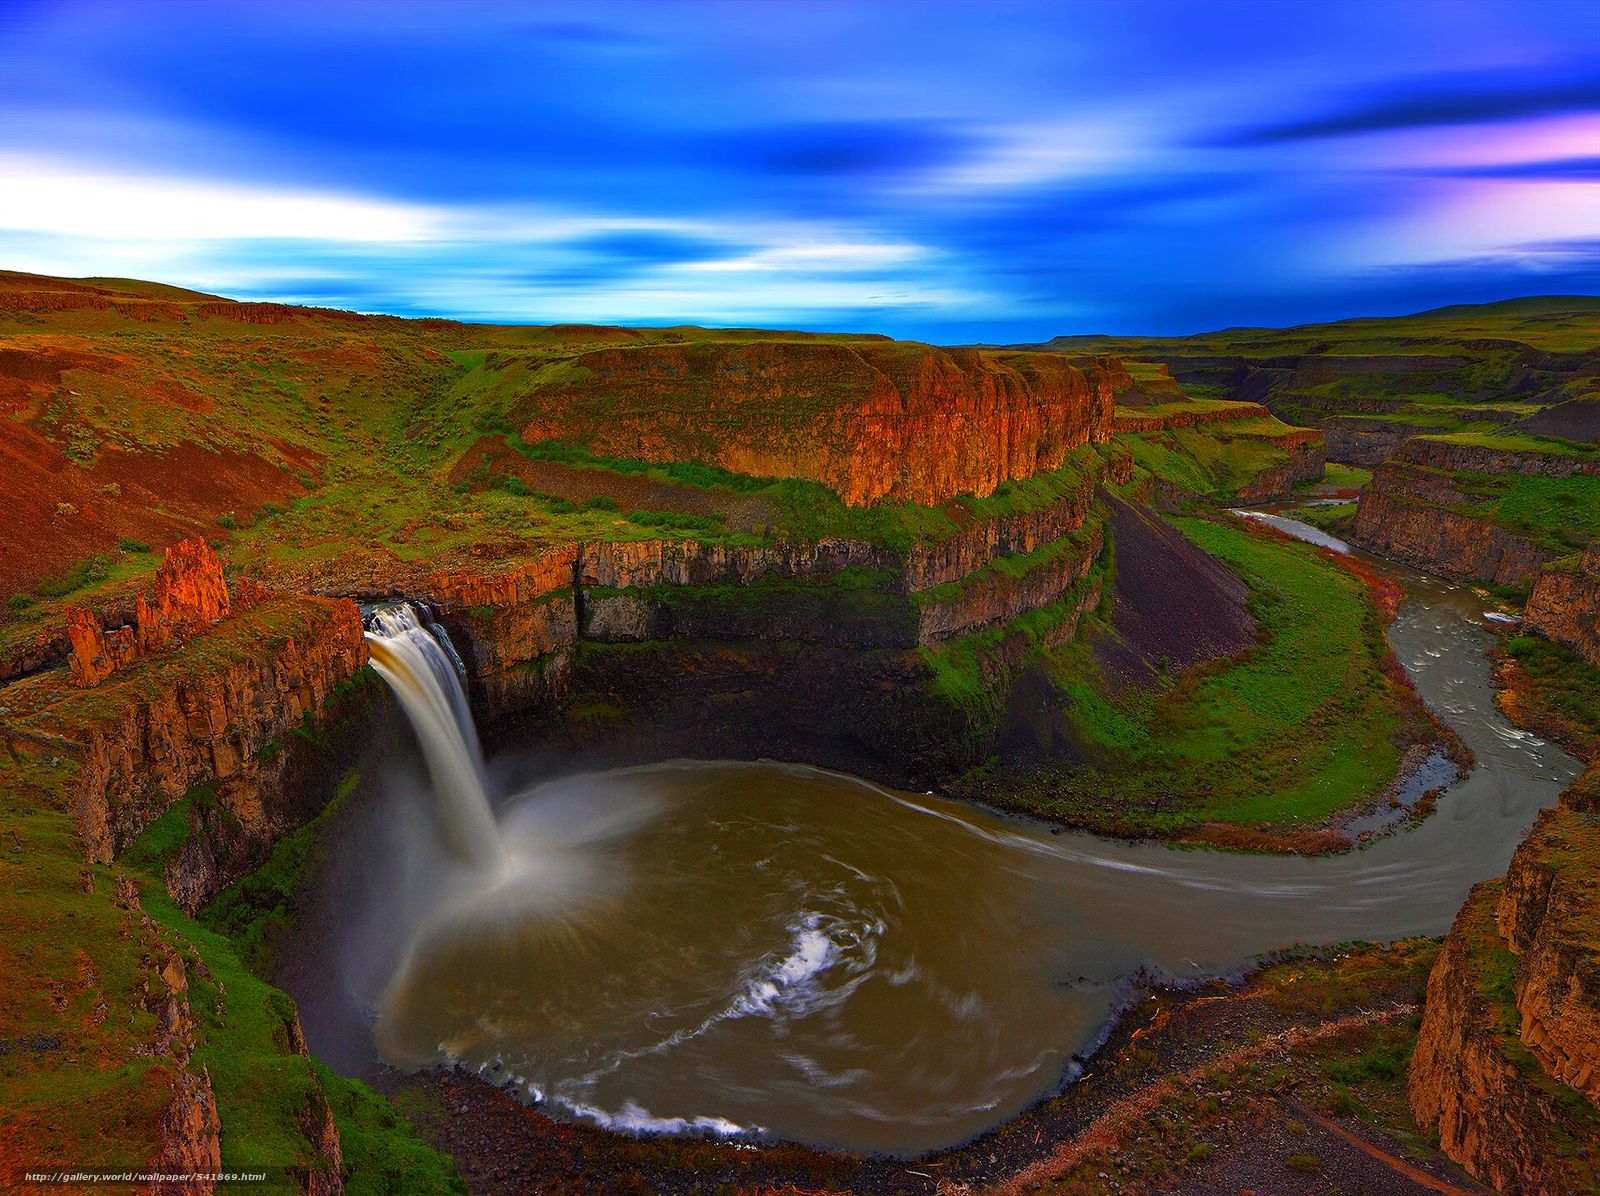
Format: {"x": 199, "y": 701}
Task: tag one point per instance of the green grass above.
{"x": 1215, "y": 461}
{"x": 1344, "y": 477}
{"x": 1561, "y": 512}
{"x": 264, "y": 1089}
{"x": 1566, "y": 682}
{"x": 256, "y": 911}
{"x": 86, "y": 573}
{"x": 1518, "y": 442}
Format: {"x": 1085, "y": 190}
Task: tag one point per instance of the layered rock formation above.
{"x": 1393, "y": 520}
{"x": 1306, "y": 463}
{"x": 1418, "y": 509}
{"x": 1507, "y": 1064}
{"x": 1565, "y": 604}
{"x": 178, "y": 721}
{"x": 871, "y": 421}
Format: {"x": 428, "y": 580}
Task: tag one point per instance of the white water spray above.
{"x": 422, "y": 669}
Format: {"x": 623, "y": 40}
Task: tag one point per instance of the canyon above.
{"x": 932, "y": 567}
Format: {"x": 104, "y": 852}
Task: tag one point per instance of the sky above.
{"x": 949, "y": 172}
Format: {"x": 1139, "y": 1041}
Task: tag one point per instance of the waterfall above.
{"x": 422, "y": 668}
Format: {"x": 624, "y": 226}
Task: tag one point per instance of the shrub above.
{"x": 514, "y": 485}
{"x": 227, "y": 520}
{"x": 128, "y": 545}
{"x": 96, "y": 568}
{"x": 1306, "y": 1164}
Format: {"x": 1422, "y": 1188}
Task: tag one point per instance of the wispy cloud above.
{"x": 1429, "y": 103}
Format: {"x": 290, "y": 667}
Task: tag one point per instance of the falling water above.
{"x": 423, "y": 670}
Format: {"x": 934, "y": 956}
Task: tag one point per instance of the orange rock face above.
{"x": 175, "y": 727}
{"x": 872, "y": 421}
{"x": 189, "y": 594}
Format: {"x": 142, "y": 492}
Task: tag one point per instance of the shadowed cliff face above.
{"x": 1463, "y": 508}
{"x": 1565, "y": 605}
{"x": 871, "y": 421}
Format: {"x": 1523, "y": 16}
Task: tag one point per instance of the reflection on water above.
{"x": 783, "y": 949}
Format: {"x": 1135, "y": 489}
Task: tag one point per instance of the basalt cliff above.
{"x": 1507, "y": 1064}
{"x": 869, "y": 420}
{"x": 1437, "y": 504}
{"x": 1565, "y": 604}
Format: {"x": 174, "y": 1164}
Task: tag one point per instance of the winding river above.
{"x": 790, "y": 952}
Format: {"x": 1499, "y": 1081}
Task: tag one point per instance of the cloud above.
{"x": 46, "y": 197}
{"x": 1463, "y": 100}
{"x": 826, "y": 257}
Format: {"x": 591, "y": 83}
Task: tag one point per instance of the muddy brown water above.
{"x": 797, "y": 954}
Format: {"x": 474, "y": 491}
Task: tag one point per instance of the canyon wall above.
{"x": 1392, "y": 523}
{"x": 806, "y": 650}
{"x": 202, "y": 723}
{"x": 1420, "y": 508}
{"x": 1507, "y": 1064}
{"x": 870, "y": 420}
{"x": 1565, "y": 604}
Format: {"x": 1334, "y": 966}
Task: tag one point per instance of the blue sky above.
{"x": 951, "y": 172}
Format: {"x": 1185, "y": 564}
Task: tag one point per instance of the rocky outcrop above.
{"x": 1507, "y": 1063}
{"x": 1305, "y": 464}
{"x": 1549, "y": 917}
{"x": 154, "y": 730}
{"x": 938, "y": 562}
{"x": 870, "y": 420}
{"x": 189, "y": 594}
{"x": 1010, "y": 588}
{"x": 188, "y": 1129}
{"x": 1565, "y": 604}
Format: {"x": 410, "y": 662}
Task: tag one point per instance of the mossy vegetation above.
{"x": 1213, "y": 461}
{"x": 256, "y": 911}
{"x": 1565, "y": 688}
{"x": 267, "y": 1093}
